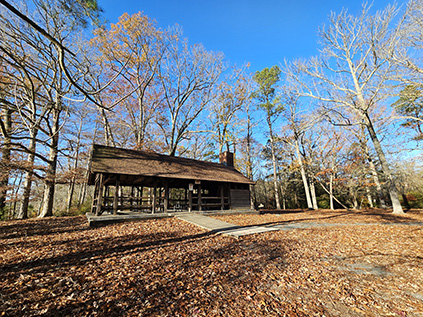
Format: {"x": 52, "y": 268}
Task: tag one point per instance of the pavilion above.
{"x": 144, "y": 181}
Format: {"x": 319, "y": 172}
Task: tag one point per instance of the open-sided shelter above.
{"x": 147, "y": 181}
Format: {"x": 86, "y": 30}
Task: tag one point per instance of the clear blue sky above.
{"x": 262, "y": 32}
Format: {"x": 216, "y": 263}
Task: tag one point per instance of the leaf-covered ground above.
{"x": 60, "y": 267}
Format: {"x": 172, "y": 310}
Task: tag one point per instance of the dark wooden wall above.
{"x": 240, "y": 198}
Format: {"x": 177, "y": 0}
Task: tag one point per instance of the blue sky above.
{"x": 262, "y": 32}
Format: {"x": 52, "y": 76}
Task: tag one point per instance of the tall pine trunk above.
{"x": 249, "y": 160}
{"x": 275, "y": 175}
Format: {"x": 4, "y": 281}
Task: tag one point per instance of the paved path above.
{"x": 219, "y": 226}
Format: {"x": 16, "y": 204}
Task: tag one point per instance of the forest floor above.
{"x": 371, "y": 265}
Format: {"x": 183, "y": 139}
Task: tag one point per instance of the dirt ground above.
{"x": 371, "y": 265}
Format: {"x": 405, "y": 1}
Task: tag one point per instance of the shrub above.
{"x": 415, "y": 200}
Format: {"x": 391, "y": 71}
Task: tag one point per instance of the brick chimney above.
{"x": 227, "y": 158}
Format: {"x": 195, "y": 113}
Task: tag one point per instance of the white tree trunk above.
{"x": 331, "y": 189}
{"x": 393, "y": 193}
{"x": 303, "y": 175}
{"x": 377, "y": 182}
{"x": 313, "y": 195}
{"x": 369, "y": 197}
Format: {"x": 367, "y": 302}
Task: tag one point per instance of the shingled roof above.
{"x": 111, "y": 160}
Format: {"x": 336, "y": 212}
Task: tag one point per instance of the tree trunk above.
{"x": 108, "y": 135}
{"x": 313, "y": 195}
{"x": 249, "y": 160}
{"x": 336, "y": 199}
{"x": 405, "y": 200}
{"x": 372, "y": 168}
{"x": 283, "y": 197}
{"x": 303, "y": 175}
{"x": 5, "y": 160}
{"x": 369, "y": 197}
{"x": 331, "y": 191}
{"x": 70, "y": 194}
{"x": 75, "y": 166}
{"x": 377, "y": 182}
{"x": 393, "y": 193}
{"x": 15, "y": 194}
{"x": 23, "y": 210}
{"x": 50, "y": 180}
{"x": 296, "y": 200}
{"x": 353, "y": 196}
{"x": 82, "y": 191}
{"x": 275, "y": 179}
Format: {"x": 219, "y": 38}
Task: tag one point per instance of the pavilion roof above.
{"x": 112, "y": 160}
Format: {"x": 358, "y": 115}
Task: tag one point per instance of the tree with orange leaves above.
{"x": 131, "y": 52}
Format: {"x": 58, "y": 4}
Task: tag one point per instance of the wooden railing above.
{"x": 145, "y": 203}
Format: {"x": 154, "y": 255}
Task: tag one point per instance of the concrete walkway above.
{"x": 219, "y": 226}
{"x": 206, "y": 222}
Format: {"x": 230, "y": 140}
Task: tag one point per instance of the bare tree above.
{"x": 131, "y": 51}
{"x": 5, "y": 139}
{"x": 330, "y": 152}
{"x": 57, "y": 89}
{"x": 24, "y": 75}
{"x": 354, "y": 75}
{"x": 187, "y": 78}
{"x": 41, "y": 86}
{"x": 232, "y": 95}
{"x": 80, "y": 10}
{"x": 408, "y": 42}
{"x": 297, "y": 124}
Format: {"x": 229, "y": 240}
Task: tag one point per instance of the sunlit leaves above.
{"x": 168, "y": 267}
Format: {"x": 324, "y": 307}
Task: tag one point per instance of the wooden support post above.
{"x": 199, "y": 198}
{"x": 166, "y": 197}
{"x": 251, "y": 197}
{"x": 153, "y": 208}
{"x": 229, "y": 196}
{"x": 120, "y": 194}
{"x": 190, "y": 200}
{"x": 141, "y": 195}
{"x": 131, "y": 200}
{"x": 99, "y": 196}
{"x": 137, "y": 200}
{"x": 107, "y": 194}
{"x": 116, "y": 196}
{"x": 222, "y": 198}
{"x": 95, "y": 197}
